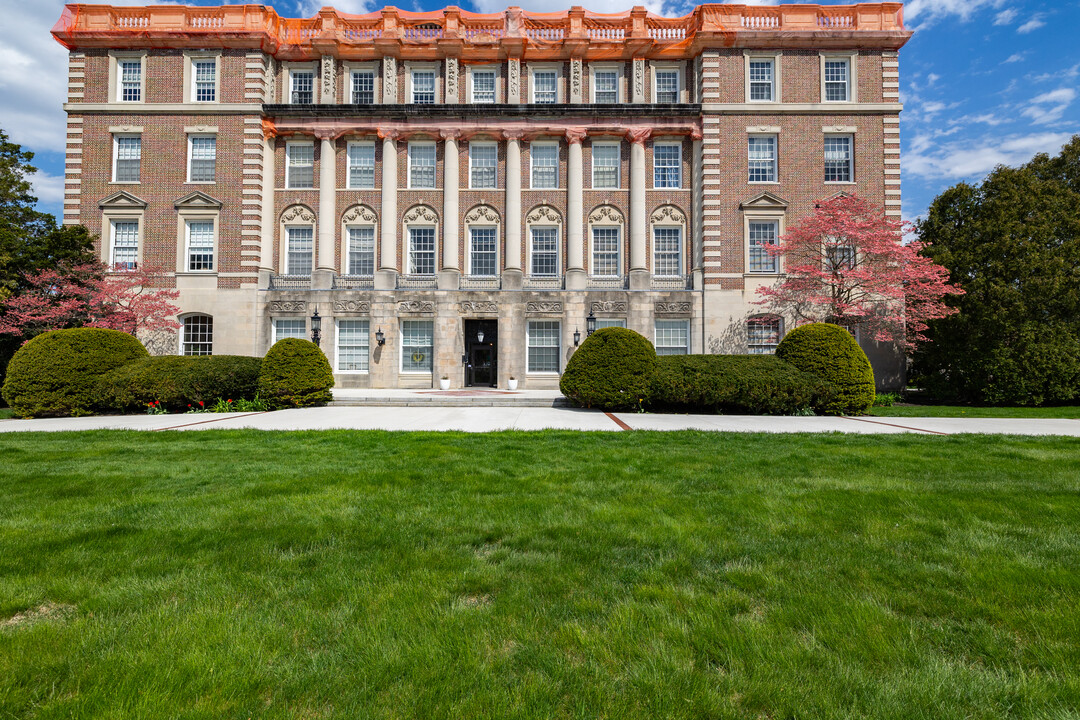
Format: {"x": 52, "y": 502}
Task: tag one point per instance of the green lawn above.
{"x": 237, "y": 574}
{"x": 1069, "y": 411}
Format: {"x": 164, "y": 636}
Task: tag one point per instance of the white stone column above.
{"x": 325, "y": 263}
{"x": 512, "y": 274}
{"x": 639, "y": 275}
{"x": 386, "y": 277}
{"x": 268, "y": 227}
{"x": 451, "y": 268}
{"x": 575, "y": 211}
{"x": 697, "y": 224}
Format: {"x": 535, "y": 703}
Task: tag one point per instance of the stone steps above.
{"x": 454, "y": 399}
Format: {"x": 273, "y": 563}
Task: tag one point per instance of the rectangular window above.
{"x": 353, "y": 344}
{"x": 605, "y": 251}
{"x": 421, "y": 165}
{"x": 362, "y": 251}
{"x": 837, "y": 86}
{"x": 198, "y": 335}
{"x": 128, "y": 158}
{"x": 838, "y": 158}
{"x": 667, "y": 165}
{"x": 483, "y": 86}
{"x": 290, "y": 328}
{"x": 202, "y": 162}
{"x": 544, "y": 252}
{"x": 303, "y": 87}
{"x": 762, "y": 335}
{"x": 130, "y": 80}
{"x": 667, "y": 251}
{"x": 482, "y": 254}
{"x": 761, "y": 80}
{"x": 762, "y": 234}
{"x": 205, "y": 72}
{"x": 544, "y": 87}
{"x": 606, "y": 86}
{"x": 423, "y": 87}
{"x": 762, "y": 158}
{"x": 667, "y": 86}
{"x": 605, "y": 165}
{"x": 422, "y": 251}
{"x": 300, "y": 250}
{"x": 543, "y": 348}
{"x": 125, "y": 245}
{"x": 300, "y": 165}
{"x": 363, "y": 87}
{"x": 361, "y": 166}
{"x": 545, "y": 165}
{"x": 840, "y": 257}
{"x": 200, "y": 240}
{"x": 602, "y": 323}
{"x": 482, "y": 161}
{"x": 416, "y": 345}
{"x": 672, "y": 337}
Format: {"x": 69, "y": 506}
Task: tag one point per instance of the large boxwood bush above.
{"x": 179, "y": 381}
{"x": 295, "y": 373}
{"x": 57, "y": 372}
{"x": 737, "y": 384}
{"x": 830, "y": 352}
{"x": 612, "y": 370}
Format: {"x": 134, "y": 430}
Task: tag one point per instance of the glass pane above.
{"x": 606, "y": 86}
{"x": 483, "y": 159}
{"x": 303, "y": 84}
{"x": 422, "y": 251}
{"x": 666, "y": 166}
{"x": 131, "y": 80}
{"x": 353, "y": 342}
{"x": 203, "y": 159}
{"x": 200, "y": 245}
{"x": 605, "y": 160}
{"x": 301, "y": 166}
{"x": 416, "y": 345}
{"x": 763, "y": 335}
{"x": 205, "y": 74}
{"x": 667, "y": 246}
{"x": 545, "y": 166}
{"x": 837, "y": 159}
{"x": 605, "y": 251}
{"x": 836, "y": 80}
{"x": 761, "y": 234}
{"x": 544, "y": 87}
{"x": 128, "y": 158}
{"x": 667, "y": 86}
{"x": 198, "y": 335}
{"x": 125, "y": 244}
{"x": 762, "y": 157}
{"x": 300, "y": 250}
{"x": 423, "y": 88}
{"x": 362, "y": 251}
{"x": 363, "y": 87}
{"x": 545, "y": 252}
{"x": 483, "y": 87}
{"x": 290, "y": 328}
{"x": 543, "y": 350}
{"x": 362, "y": 166}
{"x": 422, "y": 165}
{"x": 482, "y": 253}
{"x": 672, "y": 337}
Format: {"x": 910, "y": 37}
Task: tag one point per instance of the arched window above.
{"x": 763, "y": 334}
{"x": 197, "y": 335}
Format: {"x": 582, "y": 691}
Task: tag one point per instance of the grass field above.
{"x": 1068, "y": 411}
{"x": 234, "y": 574}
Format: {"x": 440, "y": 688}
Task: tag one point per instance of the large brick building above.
{"x": 425, "y": 180}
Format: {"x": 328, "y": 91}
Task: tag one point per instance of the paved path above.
{"x": 485, "y": 419}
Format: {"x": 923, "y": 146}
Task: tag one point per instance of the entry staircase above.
{"x": 462, "y": 397}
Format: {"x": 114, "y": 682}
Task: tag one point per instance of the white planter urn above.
{"x": 444, "y": 383}
{"x": 511, "y": 384}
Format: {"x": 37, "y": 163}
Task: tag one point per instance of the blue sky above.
{"x": 984, "y": 82}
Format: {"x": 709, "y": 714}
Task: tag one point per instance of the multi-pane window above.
{"x": 300, "y": 165}
{"x": 762, "y": 335}
{"x": 837, "y": 158}
{"x": 290, "y": 328}
{"x": 417, "y": 338}
{"x": 667, "y": 86}
{"x": 667, "y": 165}
{"x": 762, "y": 158}
{"x": 837, "y": 80}
{"x": 128, "y": 158}
{"x": 202, "y": 158}
{"x": 605, "y": 165}
{"x": 482, "y": 160}
{"x": 482, "y": 258}
{"x": 423, "y": 87}
{"x": 363, "y": 87}
{"x": 200, "y": 242}
{"x": 544, "y": 87}
{"x": 303, "y": 87}
{"x": 544, "y": 252}
{"x": 422, "y": 250}
{"x": 353, "y": 344}
{"x": 672, "y": 337}
{"x": 198, "y": 336}
{"x": 667, "y": 251}
{"x": 299, "y": 250}
{"x": 483, "y": 86}
{"x": 361, "y": 166}
{"x": 761, "y": 80}
{"x": 545, "y": 165}
{"x": 543, "y": 347}
{"x": 205, "y": 72}
{"x": 602, "y": 323}
{"x": 762, "y": 234}
{"x": 422, "y": 165}
{"x": 605, "y": 251}
{"x": 125, "y": 244}
{"x": 362, "y": 250}
{"x": 840, "y": 257}
{"x": 606, "y": 86}
{"x": 130, "y": 80}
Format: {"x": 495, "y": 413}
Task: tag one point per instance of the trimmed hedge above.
{"x": 57, "y": 373}
{"x": 179, "y": 381}
{"x": 612, "y": 370}
{"x": 830, "y": 352}
{"x": 295, "y": 373}
{"x": 737, "y": 384}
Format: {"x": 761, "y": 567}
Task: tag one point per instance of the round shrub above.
{"x": 612, "y": 370}
{"x": 830, "y": 352}
{"x": 295, "y": 373}
{"x": 57, "y": 372}
{"x": 179, "y": 381}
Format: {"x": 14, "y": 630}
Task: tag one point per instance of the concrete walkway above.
{"x": 486, "y": 419}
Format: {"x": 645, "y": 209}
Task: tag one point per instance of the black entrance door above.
{"x": 481, "y": 353}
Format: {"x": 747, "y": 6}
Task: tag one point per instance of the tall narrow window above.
{"x": 130, "y": 80}
{"x": 362, "y": 251}
{"x": 838, "y": 158}
{"x": 300, "y": 165}
{"x": 605, "y": 165}
{"x": 303, "y": 87}
{"x": 482, "y": 160}
{"x": 125, "y": 244}
{"x": 200, "y": 242}
{"x": 417, "y": 343}
{"x": 605, "y": 251}
{"x": 672, "y": 337}
{"x": 482, "y": 252}
{"x": 289, "y": 328}
{"x": 606, "y": 86}
{"x": 761, "y": 80}
{"x": 202, "y": 154}
{"x": 205, "y": 72}
{"x": 545, "y": 165}
{"x": 762, "y": 234}
{"x": 543, "y": 346}
{"x": 762, "y": 158}
{"x": 363, "y": 87}
{"x": 667, "y": 165}
{"x": 483, "y": 86}
{"x": 667, "y": 86}
{"x": 545, "y": 252}
{"x": 353, "y": 345}
{"x": 544, "y": 87}
{"x": 421, "y": 165}
{"x": 198, "y": 337}
{"x": 422, "y": 251}
{"x": 423, "y": 87}
{"x": 837, "y": 80}
{"x": 840, "y": 258}
{"x": 667, "y": 251}
{"x": 762, "y": 335}
{"x": 362, "y": 166}
{"x": 300, "y": 249}
{"x": 128, "y": 158}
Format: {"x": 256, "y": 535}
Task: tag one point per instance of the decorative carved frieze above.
{"x": 482, "y": 213}
{"x": 672, "y": 308}
{"x": 606, "y": 213}
{"x": 352, "y": 306}
{"x": 416, "y": 306}
{"x": 270, "y": 83}
{"x": 668, "y": 214}
{"x": 544, "y": 306}
{"x": 297, "y": 212}
{"x": 543, "y": 214}
{"x": 288, "y": 306}
{"x": 359, "y": 213}
{"x": 468, "y": 307}
{"x": 575, "y": 80}
{"x": 420, "y": 213}
{"x": 639, "y": 80}
{"x": 451, "y": 80}
{"x": 389, "y": 64}
{"x": 513, "y": 82}
{"x": 329, "y": 80}
{"x": 609, "y": 306}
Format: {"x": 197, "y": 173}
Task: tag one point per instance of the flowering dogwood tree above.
{"x": 847, "y": 264}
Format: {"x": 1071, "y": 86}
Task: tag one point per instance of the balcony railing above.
{"x": 417, "y": 281}
{"x": 480, "y": 282}
{"x": 604, "y": 282}
{"x": 290, "y": 282}
{"x": 672, "y": 282}
{"x": 543, "y": 283}
{"x": 353, "y": 282}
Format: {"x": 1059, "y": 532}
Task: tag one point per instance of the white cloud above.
{"x": 1049, "y": 107}
{"x": 1034, "y": 23}
{"x": 1006, "y": 16}
{"x": 49, "y": 189}
{"x": 930, "y": 10}
{"x": 932, "y": 79}
{"x": 1015, "y": 57}
{"x": 974, "y": 157}
{"x": 308, "y": 8}
{"x": 600, "y": 6}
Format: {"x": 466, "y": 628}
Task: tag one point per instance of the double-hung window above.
{"x": 482, "y": 161}
{"x": 762, "y": 80}
{"x": 605, "y": 165}
{"x": 762, "y": 335}
{"x": 130, "y": 85}
{"x": 423, "y": 87}
{"x": 667, "y": 165}
{"x": 672, "y": 337}
{"x": 202, "y": 158}
{"x": 200, "y": 245}
{"x": 761, "y": 152}
{"x": 128, "y": 152}
{"x": 362, "y": 250}
{"x": 483, "y": 87}
{"x": 605, "y": 251}
{"x": 544, "y": 252}
{"x": 198, "y": 337}
{"x": 667, "y": 251}
{"x": 837, "y": 79}
{"x": 545, "y": 165}
{"x": 302, "y": 91}
{"x": 422, "y": 165}
{"x": 606, "y": 85}
{"x": 363, "y": 87}
{"x": 840, "y": 258}
{"x": 300, "y": 165}
{"x": 543, "y": 346}
{"x": 545, "y": 87}
{"x": 422, "y": 250}
{"x": 361, "y": 165}
{"x": 289, "y": 328}
{"x": 838, "y": 158}
{"x": 667, "y": 86}
{"x": 762, "y": 233}
{"x": 125, "y": 244}
{"x": 602, "y": 323}
{"x": 353, "y": 345}
{"x": 417, "y": 343}
{"x": 299, "y": 250}
{"x": 482, "y": 251}
{"x": 204, "y": 71}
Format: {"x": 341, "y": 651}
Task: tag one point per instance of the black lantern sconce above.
{"x": 380, "y": 338}
{"x": 590, "y": 324}
{"x": 577, "y": 337}
{"x": 316, "y": 327}
{"x": 480, "y": 336}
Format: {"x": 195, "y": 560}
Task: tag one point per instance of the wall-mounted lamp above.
{"x": 380, "y": 339}
{"x": 316, "y": 327}
{"x": 480, "y": 336}
{"x": 590, "y": 324}
{"x": 577, "y": 337}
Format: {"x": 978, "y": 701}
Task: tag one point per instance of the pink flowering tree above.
{"x": 848, "y": 264}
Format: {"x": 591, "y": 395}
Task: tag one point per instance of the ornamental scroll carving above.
{"x": 451, "y": 79}
{"x": 270, "y": 82}
{"x": 478, "y": 306}
{"x": 610, "y": 306}
{"x": 543, "y": 306}
{"x": 482, "y": 213}
{"x": 297, "y": 212}
{"x": 543, "y": 214}
{"x": 288, "y": 306}
{"x": 359, "y": 213}
{"x": 639, "y": 79}
{"x": 352, "y": 306}
{"x": 416, "y": 306}
{"x": 575, "y": 79}
{"x": 606, "y": 214}
{"x": 672, "y": 308}
{"x": 329, "y": 80}
{"x": 668, "y": 214}
{"x": 421, "y": 213}
{"x": 389, "y": 79}
{"x": 514, "y": 81}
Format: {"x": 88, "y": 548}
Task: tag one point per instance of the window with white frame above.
{"x": 127, "y": 150}
{"x": 202, "y": 158}
{"x": 839, "y": 258}
{"x": 605, "y": 251}
{"x": 204, "y": 79}
{"x": 762, "y": 233}
{"x": 762, "y": 80}
{"x": 605, "y": 85}
{"x": 299, "y": 250}
{"x": 838, "y": 158}
{"x": 422, "y": 250}
{"x": 483, "y": 157}
{"x": 423, "y": 87}
{"x": 361, "y": 165}
{"x": 605, "y": 165}
{"x": 290, "y": 328}
{"x": 545, "y": 87}
{"x": 363, "y": 87}
{"x": 482, "y": 251}
{"x": 667, "y": 86}
{"x": 302, "y": 87}
{"x": 362, "y": 250}
{"x": 421, "y": 165}
{"x": 543, "y": 346}
{"x": 667, "y": 251}
{"x": 353, "y": 345}
{"x": 544, "y": 251}
{"x": 545, "y": 165}
{"x": 762, "y": 335}
{"x": 300, "y": 165}
{"x": 602, "y": 323}
{"x": 667, "y": 165}
{"x": 198, "y": 335}
{"x": 837, "y": 79}
{"x": 672, "y": 337}
{"x": 761, "y": 154}
{"x": 200, "y": 245}
{"x": 129, "y": 89}
{"x": 417, "y": 344}
{"x": 125, "y": 244}
{"x": 483, "y": 87}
